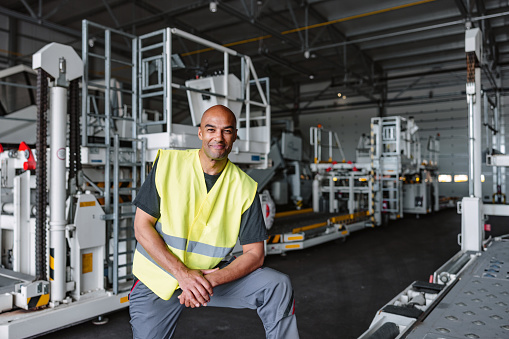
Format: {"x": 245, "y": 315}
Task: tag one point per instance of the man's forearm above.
{"x": 248, "y": 262}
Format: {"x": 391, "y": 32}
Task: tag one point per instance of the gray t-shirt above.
{"x": 252, "y": 226}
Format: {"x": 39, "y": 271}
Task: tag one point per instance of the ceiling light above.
{"x": 344, "y": 96}
{"x": 311, "y": 76}
{"x": 213, "y": 6}
{"x": 339, "y": 95}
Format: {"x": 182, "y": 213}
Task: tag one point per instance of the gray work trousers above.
{"x": 266, "y": 290}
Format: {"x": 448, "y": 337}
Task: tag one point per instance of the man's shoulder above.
{"x": 236, "y": 170}
{"x": 173, "y": 153}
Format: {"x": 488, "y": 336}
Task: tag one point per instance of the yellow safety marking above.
{"x": 293, "y": 246}
{"x": 87, "y": 203}
{"x": 124, "y": 299}
{"x": 310, "y": 227}
{"x": 349, "y": 217}
{"x": 51, "y": 263}
{"x": 298, "y": 237}
{"x": 87, "y": 263}
{"x": 44, "y": 300}
{"x": 276, "y": 238}
{"x": 344, "y": 232}
{"x": 289, "y": 213}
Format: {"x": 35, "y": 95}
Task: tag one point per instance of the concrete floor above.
{"x": 339, "y": 286}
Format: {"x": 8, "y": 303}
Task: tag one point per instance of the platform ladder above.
{"x": 128, "y": 173}
{"x": 107, "y": 117}
{"x": 387, "y": 165}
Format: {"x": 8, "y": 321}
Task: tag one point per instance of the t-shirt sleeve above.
{"x": 252, "y": 225}
{"x": 148, "y": 198}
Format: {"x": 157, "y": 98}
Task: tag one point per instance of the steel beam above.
{"x": 42, "y": 22}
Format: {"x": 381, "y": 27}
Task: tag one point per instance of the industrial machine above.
{"x": 467, "y": 296}
{"x": 420, "y": 190}
{"x": 288, "y": 178}
{"x": 341, "y": 195}
{"x": 388, "y": 178}
{"x": 67, "y": 257}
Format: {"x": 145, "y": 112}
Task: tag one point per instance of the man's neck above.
{"x": 211, "y": 166}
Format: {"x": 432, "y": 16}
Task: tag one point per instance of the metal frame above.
{"x": 119, "y": 215}
{"x": 174, "y": 133}
{"x": 315, "y": 140}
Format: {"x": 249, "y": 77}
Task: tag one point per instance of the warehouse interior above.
{"x": 374, "y": 129}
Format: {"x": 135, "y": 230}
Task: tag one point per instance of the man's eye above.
{"x": 228, "y": 131}
{"x": 210, "y": 130}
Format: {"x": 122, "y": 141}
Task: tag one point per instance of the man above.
{"x": 190, "y": 211}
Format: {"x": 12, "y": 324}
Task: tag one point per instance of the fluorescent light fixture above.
{"x": 213, "y": 6}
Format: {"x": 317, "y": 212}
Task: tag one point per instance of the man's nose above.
{"x": 219, "y": 136}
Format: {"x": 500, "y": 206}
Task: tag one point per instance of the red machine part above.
{"x": 30, "y": 163}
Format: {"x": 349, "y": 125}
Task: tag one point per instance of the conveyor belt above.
{"x": 478, "y": 305}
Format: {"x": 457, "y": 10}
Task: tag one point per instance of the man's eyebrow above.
{"x": 209, "y": 125}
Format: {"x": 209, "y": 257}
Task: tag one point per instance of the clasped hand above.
{"x": 196, "y": 289}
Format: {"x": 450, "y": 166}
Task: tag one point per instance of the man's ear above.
{"x": 199, "y": 133}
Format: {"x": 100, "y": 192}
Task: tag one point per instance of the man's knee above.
{"x": 279, "y": 280}
{"x": 280, "y": 291}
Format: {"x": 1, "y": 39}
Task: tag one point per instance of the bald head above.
{"x": 218, "y": 110}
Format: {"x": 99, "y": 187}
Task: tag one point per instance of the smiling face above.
{"x": 217, "y": 132}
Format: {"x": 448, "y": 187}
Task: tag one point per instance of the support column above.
{"x": 477, "y": 135}
{"x": 58, "y": 193}
{"x": 472, "y": 227}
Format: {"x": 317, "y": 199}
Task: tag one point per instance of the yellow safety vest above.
{"x": 199, "y": 228}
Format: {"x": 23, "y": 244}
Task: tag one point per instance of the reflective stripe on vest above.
{"x": 199, "y": 228}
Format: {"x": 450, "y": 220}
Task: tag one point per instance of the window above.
{"x": 444, "y": 178}
{"x": 460, "y": 178}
